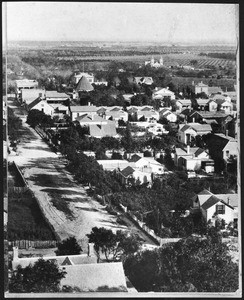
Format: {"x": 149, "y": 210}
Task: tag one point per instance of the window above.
{"x": 227, "y": 153}
{"x": 220, "y": 209}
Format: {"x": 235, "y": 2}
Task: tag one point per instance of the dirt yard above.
{"x": 49, "y": 180}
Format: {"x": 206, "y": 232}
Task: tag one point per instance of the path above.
{"x": 47, "y": 177}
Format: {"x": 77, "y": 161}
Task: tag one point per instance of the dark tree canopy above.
{"x": 42, "y": 277}
{"x": 68, "y": 247}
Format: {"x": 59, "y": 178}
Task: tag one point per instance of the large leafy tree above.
{"x": 42, "y": 277}
{"x": 114, "y": 246}
{"x": 192, "y": 264}
{"x": 69, "y": 246}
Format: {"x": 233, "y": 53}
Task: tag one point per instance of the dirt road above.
{"x": 48, "y": 178}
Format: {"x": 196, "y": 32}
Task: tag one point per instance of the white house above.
{"x": 223, "y": 206}
{"x": 54, "y": 97}
{"x": 148, "y": 113}
{"x": 147, "y": 164}
{"x": 182, "y": 104}
{"x": 41, "y": 105}
{"x": 193, "y": 159}
{"x": 160, "y": 93}
{"x": 80, "y": 110}
{"x": 128, "y": 173}
{"x": 189, "y": 131}
{"x": 168, "y": 114}
{"x": 156, "y": 129}
{"x": 201, "y": 88}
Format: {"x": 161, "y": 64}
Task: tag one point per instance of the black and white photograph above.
{"x": 121, "y": 149}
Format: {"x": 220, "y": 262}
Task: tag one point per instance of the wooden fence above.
{"x": 26, "y": 244}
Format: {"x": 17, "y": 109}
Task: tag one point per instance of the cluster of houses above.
{"x": 218, "y": 110}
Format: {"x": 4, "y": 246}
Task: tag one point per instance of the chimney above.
{"x": 15, "y": 253}
{"x": 227, "y": 133}
{"x": 188, "y": 149}
{"x": 89, "y": 103}
{"x": 91, "y": 249}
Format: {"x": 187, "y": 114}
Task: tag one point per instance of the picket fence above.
{"x": 26, "y": 244}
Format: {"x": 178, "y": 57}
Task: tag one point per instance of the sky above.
{"x": 94, "y": 21}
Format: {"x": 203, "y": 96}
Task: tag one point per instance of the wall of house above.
{"x": 228, "y": 216}
{"x": 43, "y": 106}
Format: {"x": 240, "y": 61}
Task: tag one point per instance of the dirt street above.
{"x": 46, "y": 176}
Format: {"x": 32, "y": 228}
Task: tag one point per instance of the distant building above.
{"x": 88, "y": 76}
{"x": 201, "y": 88}
{"x": 54, "y": 97}
{"x": 81, "y": 110}
{"x": 24, "y": 84}
{"x": 182, "y": 104}
{"x": 29, "y": 95}
{"x": 143, "y": 80}
{"x": 84, "y": 85}
{"x": 155, "y": 64}
{"x": 160, "y": 93}
{"x": 41, "y": 105}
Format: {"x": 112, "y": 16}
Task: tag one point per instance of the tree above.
{"x": 114, "y": 246}
{"x": 42, "y": 277}
{"x": 68, "y": 247}
{"x": 192, "y": 264}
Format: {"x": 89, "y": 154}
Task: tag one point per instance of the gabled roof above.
{"x": 201, "y": 84}
{"x": 66, "y": 262}
{"x": 84, "y": 85}
{"x": 127, "y": 171}
{"x": 210, "y": 114}
{"x": 35, "y": 102}
{"x": 192, "y": 150}
{"x": 103, "y": 277}
{"x": 210, "y": 202}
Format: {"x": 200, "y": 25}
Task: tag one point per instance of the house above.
{"x": 223, "y": 206}
{"x": 116, "y": 114}
{"x": 102, "y": 130}
{"x": 182, "y": 104}
{"x": 89, "y": 77}
{"x": 143, "y": 80}
{"x": 29, "y": 95}
{"x": 155, "y": 64}
{"x": 80, "y": 110}
{"x": 208, "y": 117}
{"x": 193, "y": 159}
{"x": 114, "y": 164}
{"x": 168, "y": 114}
{"x": 212, "y": 105}
{"x": 188, "y": 132}
{"x": 224, "y": 105}
{"x": 84, "y": 85}
{"x": 24, "y": 84}
{"x": 83, "y": 271}
{"x": 129, "y": 173}
{"x": 148, "y": 113}
{"x": 54, "y": 97}
{"x": 41, "y": 105}
{"x": 203, "y": 104}
{"x": 160, "y": 93}
{"x": 147, "y": 164}
{"x": 201, "y": 88}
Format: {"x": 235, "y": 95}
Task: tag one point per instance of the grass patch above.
{"x": 25, "y": 220}
{"x": 61, "y": 204}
